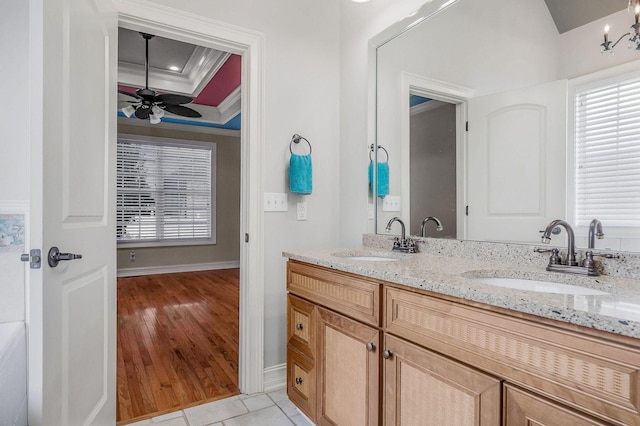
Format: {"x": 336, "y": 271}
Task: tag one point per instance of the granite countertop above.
{"x": 616, "y": 312}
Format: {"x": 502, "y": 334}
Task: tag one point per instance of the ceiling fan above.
{"x": 151, "y": 105}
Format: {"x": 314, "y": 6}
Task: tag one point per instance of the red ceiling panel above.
{"x": 226, "y": 80}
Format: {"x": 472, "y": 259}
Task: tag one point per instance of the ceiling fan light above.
{"x": 128, "y": 111}
{"x": 157, "y": 111}
{"x": 154, "y": 119}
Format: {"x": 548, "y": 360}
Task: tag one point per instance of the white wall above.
{"x": 14, "y": 148}
{"x": 302, "y": 49}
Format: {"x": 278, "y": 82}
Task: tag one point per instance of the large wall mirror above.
{"x": 473, "y": 110}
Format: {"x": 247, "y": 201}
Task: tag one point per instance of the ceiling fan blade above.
{"x": 143, "y": 113}
{"x": 133, "y": 95}
{"x": 171, "y": 99}
{"x": 182, "y": 110}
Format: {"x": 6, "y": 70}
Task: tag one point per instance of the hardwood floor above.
{"x": 177, "y": 341}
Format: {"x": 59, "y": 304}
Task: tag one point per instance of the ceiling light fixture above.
{"x": 174, "y": 68}
{"x": 634, "y": 33}
{"x": 360, "y": 1}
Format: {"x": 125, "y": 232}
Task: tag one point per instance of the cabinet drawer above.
{"x": 522, "y": 408}
{"x": 301, "y": 382}
{"x": 301, "y": 325}
{"x": 596, "y": 375}
{"x": 355, "y": 297}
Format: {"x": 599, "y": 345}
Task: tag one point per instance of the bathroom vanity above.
{"x": 376, "y": 337}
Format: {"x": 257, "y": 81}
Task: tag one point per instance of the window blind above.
{"x": 163, "y": 192}
{"x": 608, "y": 154}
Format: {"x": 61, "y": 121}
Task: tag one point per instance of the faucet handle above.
{"x": 555, "y": 255}
{"x": 607, "y": 255}
{"x": 542, "y": 250}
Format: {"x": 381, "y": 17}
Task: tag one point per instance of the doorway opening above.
{"x": 202, "y": 308}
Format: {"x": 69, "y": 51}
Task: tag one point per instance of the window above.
{"x": 165, "y": 192}
{"x": 607, "y": 152}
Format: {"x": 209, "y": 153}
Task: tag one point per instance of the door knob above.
{"x": 371, "y": 347}
{"x": 387, "y": 354}
{"x": 298, "y": 380}
{"x": 299, "y": 326}
{"x": 54, "y": 257}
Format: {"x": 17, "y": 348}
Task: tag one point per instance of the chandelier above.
{"x": 633, "y": 34}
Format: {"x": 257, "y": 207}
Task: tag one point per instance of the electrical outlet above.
{"x": 132, "y": 256}
{"x": 276, "y": 202}
{"x": 391, "y": 203}
{"x": 302, "y": 210}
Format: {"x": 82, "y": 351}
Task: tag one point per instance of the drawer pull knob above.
{"x": 371, "y": 347}
{"x": 387, "y": 354}
{"x": 299, "y": 326}
{"x": 298, "y": 380}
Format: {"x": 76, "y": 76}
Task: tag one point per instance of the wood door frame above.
{"x": 190, "y": 28}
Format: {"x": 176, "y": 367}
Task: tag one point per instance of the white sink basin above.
{"x": 372, "y": 258}
{"x": 540, "y": 286}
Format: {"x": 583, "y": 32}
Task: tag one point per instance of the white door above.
{"x": 516, "y": 162}
{"x": 77, "y": 322}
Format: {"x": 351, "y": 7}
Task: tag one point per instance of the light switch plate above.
{"x": 276, "y": 202}
{"x": 391, "y": 203}
{"x": 370, "y": 211}
{"x": 302, "y": 210}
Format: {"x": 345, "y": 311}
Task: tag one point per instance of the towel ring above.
{"x": 379, "y": 147}
{"x": 296, "y": 139}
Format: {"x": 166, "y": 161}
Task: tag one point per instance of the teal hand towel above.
{"x": 300, "y": 174}
{"x": 383, "y": 178}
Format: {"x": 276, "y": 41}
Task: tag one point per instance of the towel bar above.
{"x": 296, "y": 139}
{"x": 379, "y": 147}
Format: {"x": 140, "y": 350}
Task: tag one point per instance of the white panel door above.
{"x": 79, "y": 124}
{"x": 516, "y": 162}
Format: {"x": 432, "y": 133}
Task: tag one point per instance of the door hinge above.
{"x": 246, "y": 237}
{"x": 34, "y": 257}
{"x": 466, "y": 126}
{"x": 466, "y": 211}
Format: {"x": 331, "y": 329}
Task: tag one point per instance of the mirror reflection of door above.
{"x": 432, "y": 166}
{"x": 516, "y": 162}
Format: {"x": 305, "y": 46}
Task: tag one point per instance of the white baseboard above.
{"x": 169, "y": 269}
{"x": 275, "y": 378}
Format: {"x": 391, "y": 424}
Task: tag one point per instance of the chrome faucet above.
{"x": 427, "y": 219}
{"x": 571, "y": 239}
{"x": 595, "y": 230}
{"x": 571, "y": 266}
{"x": 403, "y": 244}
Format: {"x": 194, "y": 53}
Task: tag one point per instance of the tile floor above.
{"x": 262, "y": 409}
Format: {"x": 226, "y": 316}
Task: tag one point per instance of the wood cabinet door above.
{"x": 426, "y": 389}
{"x": 522, "y": 408}
{"x": 348, "y": 365}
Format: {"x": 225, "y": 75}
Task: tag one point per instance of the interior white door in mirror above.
{"x": 78, "y": 137}
{"x": 516, "y": 162}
